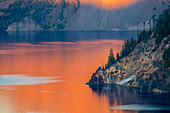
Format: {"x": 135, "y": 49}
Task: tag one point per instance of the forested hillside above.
{"x": 24, "y": 15}
{"x": 143, "y": 63}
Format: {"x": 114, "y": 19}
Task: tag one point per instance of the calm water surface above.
{"x": 46, "y": 72}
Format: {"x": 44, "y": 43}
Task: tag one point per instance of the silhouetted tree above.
{"x": 111, "y": 57}
{"x": 117, "y": 57}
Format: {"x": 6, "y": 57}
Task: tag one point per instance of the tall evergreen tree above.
{"x": 117, "y": 57}
{"x": 111, "y": 58}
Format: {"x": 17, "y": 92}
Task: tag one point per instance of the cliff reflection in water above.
{"x": 119, "y": 95}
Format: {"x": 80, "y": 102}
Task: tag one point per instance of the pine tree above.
{"x": 111, "y": 60}
{"x": 117, "y": 57}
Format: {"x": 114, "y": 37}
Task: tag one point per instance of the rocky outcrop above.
{"x": 26, "y": 24}
{"x": 98, "y": 78}
{"x": 143, "y": 68}
{"x": 4, "y": 4}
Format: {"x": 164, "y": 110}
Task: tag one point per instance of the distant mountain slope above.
{"x": 25, "y": 15}
{"x": 132, "y": 17}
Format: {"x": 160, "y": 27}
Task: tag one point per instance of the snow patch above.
{"x": 126, "y": 80}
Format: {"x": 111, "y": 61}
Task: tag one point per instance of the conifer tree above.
{"x": 117, "y": 57}
{"x": 111, "y": 58}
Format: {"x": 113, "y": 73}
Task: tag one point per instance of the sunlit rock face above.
{"x": 124, "y": 15}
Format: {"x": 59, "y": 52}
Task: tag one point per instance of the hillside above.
{"x": 132, "y": 17}
{"x": 86, "y": 15}
{"x": 144, "y": 63}
{"x": 30, "y": 15}
{"x": 147, "y": 66}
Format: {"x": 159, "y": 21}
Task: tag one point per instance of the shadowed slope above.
{"x": 132, "y": 17}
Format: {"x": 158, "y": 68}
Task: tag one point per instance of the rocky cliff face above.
{"x": 142, "y": 68}
{"x": 26, "y": 24}
{"x": 28, "y": 15}
{"x": 133, "y": 17}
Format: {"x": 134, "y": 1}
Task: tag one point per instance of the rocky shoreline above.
{"x": 143, "y": 68}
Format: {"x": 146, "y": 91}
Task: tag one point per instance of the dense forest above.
{"x": 160, "y": 30}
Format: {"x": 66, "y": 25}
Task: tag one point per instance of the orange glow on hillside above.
{"x": 109, "y": 4}
{"x": 103, "y": 4}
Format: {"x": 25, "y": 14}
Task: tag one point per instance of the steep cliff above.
{"x": 36, "y": 14}
{"x": 132, "y": 17}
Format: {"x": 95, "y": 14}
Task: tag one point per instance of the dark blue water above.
{"x": 64, "y": 36}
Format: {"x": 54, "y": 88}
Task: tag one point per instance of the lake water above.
{"x": 46, "y": 72}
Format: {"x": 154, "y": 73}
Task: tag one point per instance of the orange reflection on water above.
{"x": 73, "y": 61}
{"x": 65, "y": 58}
